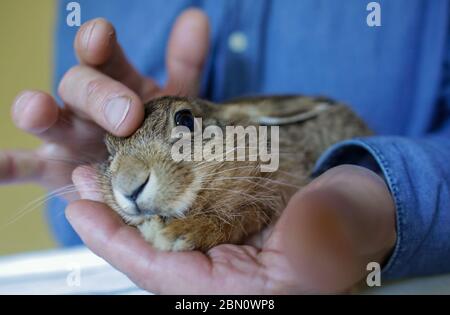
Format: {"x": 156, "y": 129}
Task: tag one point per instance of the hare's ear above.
{"x": 278, "y": 110}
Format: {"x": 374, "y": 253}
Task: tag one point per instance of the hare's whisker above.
{"x": 33, "y": 205}
{"x": 236, "y": 192}
{"x": 229, "y": 169}
{"x": 249, "y": 178}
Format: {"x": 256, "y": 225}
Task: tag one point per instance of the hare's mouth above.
{"x": 134, "y": 208}
{"x": 131, "y": 196}
{"x": 154, "y": 197}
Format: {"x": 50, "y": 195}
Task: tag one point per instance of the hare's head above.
{"x": 176, "y": 163}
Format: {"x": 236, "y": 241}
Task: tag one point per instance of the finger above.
{"x": 319, "y": 252}
{"x": 96, "y": 45}
{"x": 37, "y": 113}
{"x": 335, "y": 226}
{"x": 364, "y": 203}
{"x": 96, "y": 96}
{"x": 34, "y": 111}
{"x": 20, "y": 167}
{"x": 105, "y": 234}
{"x": 84, "y": 178}
{"x": 187, "y": 52}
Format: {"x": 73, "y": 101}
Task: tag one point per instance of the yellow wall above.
{"x": 25, "y": 62}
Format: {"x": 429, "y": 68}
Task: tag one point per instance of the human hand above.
{"x": 321, "y": 243}
{"x": 103, "y": 93}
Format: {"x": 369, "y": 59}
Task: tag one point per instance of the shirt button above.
{"x": 237, "y": 42}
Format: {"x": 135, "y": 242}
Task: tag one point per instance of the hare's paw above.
{"x": 150, "y": 228}
{"x": 164, "y": 237}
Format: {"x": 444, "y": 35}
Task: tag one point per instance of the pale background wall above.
{"x": 25, "y": 62}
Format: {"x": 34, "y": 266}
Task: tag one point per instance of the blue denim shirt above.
{"x": 396, "y": 77}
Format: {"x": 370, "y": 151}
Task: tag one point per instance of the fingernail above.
{"x": 20, "y": 104}
{"x": 87, "y": 34}
{"x": 116, "y": 111}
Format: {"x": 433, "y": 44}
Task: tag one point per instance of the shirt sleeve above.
{"x": 417, "y": 172}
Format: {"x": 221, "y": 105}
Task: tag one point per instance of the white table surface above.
{"x": 78, "y": 271}
{"x": 62, "y": 271}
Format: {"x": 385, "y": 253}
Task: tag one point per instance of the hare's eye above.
{"x": 184, "y": 118}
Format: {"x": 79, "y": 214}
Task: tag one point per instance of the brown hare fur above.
{"x": 199, "y": 204}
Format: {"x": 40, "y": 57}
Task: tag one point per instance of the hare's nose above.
{"x": 135, "y": 194}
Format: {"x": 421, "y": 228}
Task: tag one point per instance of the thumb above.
{"x": 187, "y": 52}
{"x": 85, "y": 179}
